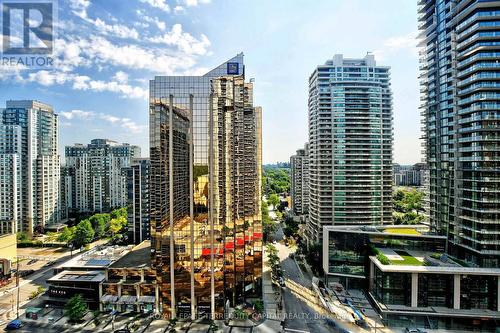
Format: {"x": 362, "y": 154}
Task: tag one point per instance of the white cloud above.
{"x": 194, "y": 3}
{"x": 79, "y": 7}
{"x": 118, "y": 30}
{"x": 125, "y": 123}
{"x": 178, "y": 9}
{"x": 81, "y": 82}
{"x": 397, "y": 44}
{"x": 184, "y": 41}
{"x": 160, "y": 4}
{"x": 402, "y": 42}
{"x": 76, "y": 114}
{"x": 160, "y": 24}
{"x": 100, "y": 50}
{"x": 121, "y": 77}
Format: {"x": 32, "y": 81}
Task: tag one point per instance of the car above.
{"x": 26, "y": 272}
{"x": 282, "y": 282}
{"x": 50, "y": 263}
{"x": 414, "y": 330}
{"x": 122, "y": 330}
{"x": 275, "y": 242}
{"x": 14, "y": 325}
{"x": 32, "y": 261}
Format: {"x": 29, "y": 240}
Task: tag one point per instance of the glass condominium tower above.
{"x": 460, "y": 95}
{"x": 206, "y": 229}
{"x": 350, "y": 145}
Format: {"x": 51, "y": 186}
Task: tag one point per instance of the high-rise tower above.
{"x": 350, "y": 145}
{"x": 299, "y": 188}
{"x": 461, "y": 114}
{"x": 30, "y": 135}
{"x": 211, "y": 248}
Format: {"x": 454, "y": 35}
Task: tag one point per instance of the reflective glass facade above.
{"x": 216, "y": 232}
{"x": 461, "y": 112}
{"x": 350, "y": 247}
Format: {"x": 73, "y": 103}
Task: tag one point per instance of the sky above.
{"x": 107, "y": 50}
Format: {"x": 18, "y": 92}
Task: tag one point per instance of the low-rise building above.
{"x": 8, "y": 252}
{"x": 97, "y": 259}
{"x": 410, "y": 279}
{"x": 67, "y": 284}
{"x": 130, "y": 283}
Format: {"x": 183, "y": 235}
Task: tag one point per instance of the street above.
{"x": 302, "y": 311}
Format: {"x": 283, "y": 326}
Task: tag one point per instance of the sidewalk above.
{"x": 271, "y": 297}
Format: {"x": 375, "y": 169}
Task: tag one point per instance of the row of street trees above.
{"x": 95, "y": 227}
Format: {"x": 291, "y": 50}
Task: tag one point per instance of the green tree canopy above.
{"x": 67, "y": 235}
{"x": 100, "y": 223}
{"x": 407, "y": 205}
{"x": 76, "y": 308}
{"x": 274, "y": 200}
{"x": 276, "y": 180}
{"x": 22, "y": 236}
{"x": 84, "y": 233}
{"x": 117, "y": 224}
{"x": 120, "y": 212}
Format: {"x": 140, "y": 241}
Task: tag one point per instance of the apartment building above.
{"x": 460, "y": 109}
{"x": 138, "y": 207}
{"x": 350, "y": 145}
{"x": 98, "y": 177}
{"x": 299, "y": 188}
{"x": 30, "y": 165}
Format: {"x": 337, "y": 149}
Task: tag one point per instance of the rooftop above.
{"x": 406, "y": 261}
{"x": 78, "y": 276}
{"x": 139, "y": 256}
{"x": 419, "y": 230}
{"x": 97, "y": 258}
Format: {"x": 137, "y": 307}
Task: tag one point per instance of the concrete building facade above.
{"x": 97, "y": 175}
{"x": 30, "y": 165}
{"x": 350, "y": 145}
{"x": 299, "y": 187}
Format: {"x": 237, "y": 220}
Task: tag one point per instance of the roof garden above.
{"x": 388, "y": 256}
{"x": 404, "y": 231}
{"x": 398, "y": 257}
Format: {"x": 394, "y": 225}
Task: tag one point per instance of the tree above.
{"x": 117, "y": 224}
{"x": 75, "y": 308}
{"x": 100, "y": 223}
{"x": 84, "y": 233}
{"x": 268, "y": 225}
{"x": 66, "y": 235}
{"x": 276, "y": 180}
{"x": 274, "y": 200}
{"x": 120, "y": 212}
{"x": 291, "y": 226}
{"x": 22, "y": 236}
{"x": 407, "y": 205}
